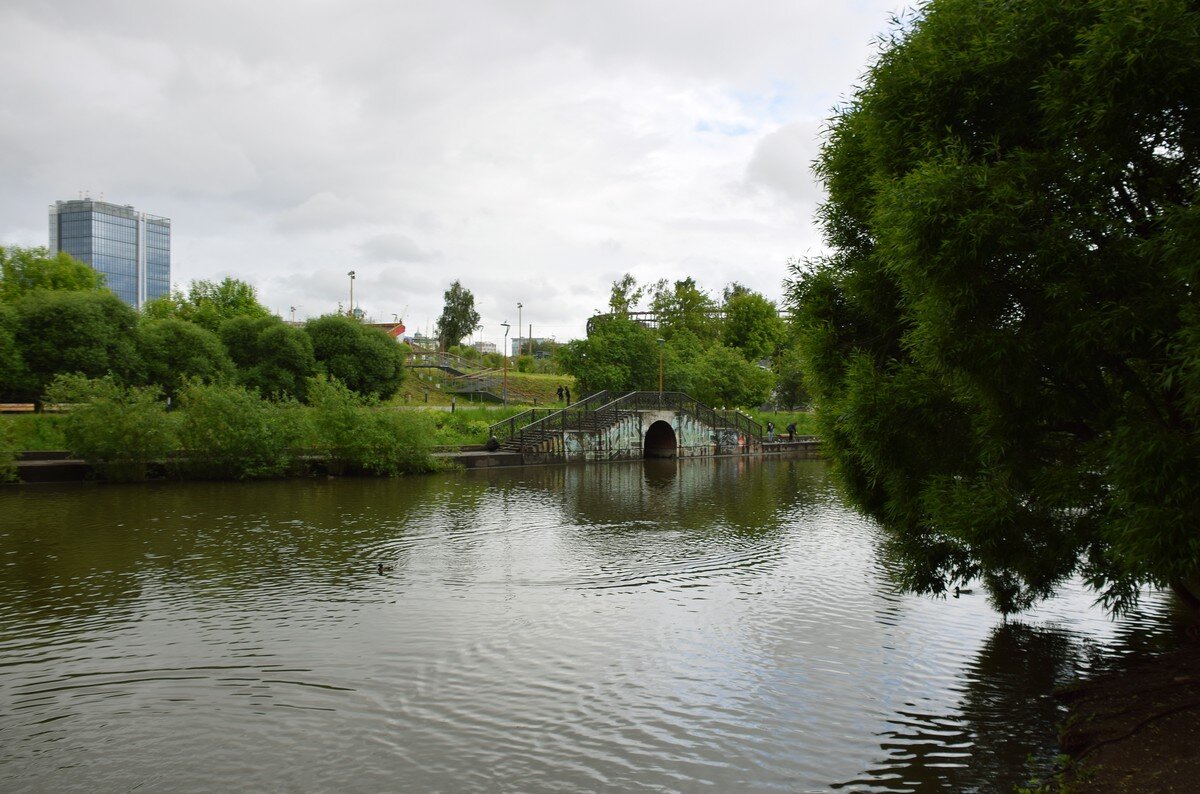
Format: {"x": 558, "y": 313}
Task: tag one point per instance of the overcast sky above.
{"x": 533, "y": 150}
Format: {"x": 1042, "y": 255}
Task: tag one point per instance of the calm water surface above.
{"x": 709, "y": 625}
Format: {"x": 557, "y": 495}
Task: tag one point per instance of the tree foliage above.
{"x": 683, "y": 306}
{"x": 120, "y": 430}
{"x": 270, "y": 356}
{"x": 23, "y": 270}
{"x": 625, "y": 295}
{"x": 620, "y": 356}
{"x": 209, "y": 303}
{"x": 90, "y": 333}
{"x": 365, "y": 359}
{"x": 459, "y": 317}
{"x": 175, "y": 351}
{"x": 752, "y": 325}
{"x": 1004, "y": 343}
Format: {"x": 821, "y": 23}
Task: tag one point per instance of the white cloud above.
{"x": 533, "y": 149}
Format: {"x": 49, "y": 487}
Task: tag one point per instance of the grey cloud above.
{"x": 394, "y": 247}
{"x": 783, "y": 162}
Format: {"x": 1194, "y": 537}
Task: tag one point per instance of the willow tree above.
{"x": 1004, "y": 340}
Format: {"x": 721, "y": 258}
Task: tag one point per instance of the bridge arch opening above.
{"x": 660, "y": 441}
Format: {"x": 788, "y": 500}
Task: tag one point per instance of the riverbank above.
{"x": 1136, "y": 730}
{"x": 57, "y": 466}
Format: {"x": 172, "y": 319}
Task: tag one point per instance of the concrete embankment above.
{"x": 58, "y": 466}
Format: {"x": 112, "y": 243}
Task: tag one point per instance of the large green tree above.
{"x": 90, "y": 333}
{"x": 683, "y": 306}
{"x": 270, "y": 355}
{"x": 23, "y": 270}
{"x": 752, "y": 325}
{"x": 175, "y": 351}
{"x": 209, "y": 303}
{"x": 364, "y": 358}
{"x": 1004, "y": 343}
{"x": 620, "y": 355}
{"x": 459, "y": 317}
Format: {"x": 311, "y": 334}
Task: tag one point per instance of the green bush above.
{"x": 36, "y": 431}
{"x": 228, "y": 432}
{"x": 120, "y": 430}
{"x": 353, "y": 435}
{"x": 8, "y": 455}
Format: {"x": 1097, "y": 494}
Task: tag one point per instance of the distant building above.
{"x": 484, "y": 347}
{"x": 132, "y": 249}
{"x": 537, "y": 346}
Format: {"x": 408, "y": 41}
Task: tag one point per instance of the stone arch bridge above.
{"x": 633, "y": 426}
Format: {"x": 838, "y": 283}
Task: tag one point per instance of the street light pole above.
{"x": 504, "y": 392}
{"x": 351, "y": 275}
{"x": 519, "y": 328}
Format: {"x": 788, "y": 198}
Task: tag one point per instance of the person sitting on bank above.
{"x": 492, "y": 444}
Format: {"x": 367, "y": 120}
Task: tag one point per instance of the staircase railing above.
{"x": 510, "y": 427}
{"x": 530, "y": 428}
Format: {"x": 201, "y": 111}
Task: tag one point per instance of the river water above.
{"x": 717, "y": 625}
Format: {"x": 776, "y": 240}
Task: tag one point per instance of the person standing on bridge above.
{"x": 770, "y": 431}
{"x": 567, "y": 392}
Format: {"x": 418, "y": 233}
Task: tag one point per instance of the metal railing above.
{"x": 508, "y": 428}
{"x": 529, "y": 429}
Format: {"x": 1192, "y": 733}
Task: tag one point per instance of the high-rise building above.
{"x": 132, "y": 249}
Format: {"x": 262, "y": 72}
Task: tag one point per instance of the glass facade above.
{"x": 132, "y": 249}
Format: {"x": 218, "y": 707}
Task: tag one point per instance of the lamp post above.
{"x": 660, "y": 367}
{"x": 519, "y": 327}
{"x": 504, "y": 392}
{"x": 351, "y": 275}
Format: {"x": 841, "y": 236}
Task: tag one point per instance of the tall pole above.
{"x": 519, "y": 327}
{"x": 504, "y": 392}
{"x": 351, "y": 275}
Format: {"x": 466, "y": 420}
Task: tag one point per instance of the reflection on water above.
{"x": 667, "y": 625}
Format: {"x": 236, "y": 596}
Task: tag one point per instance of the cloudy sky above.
{"x": 535, "y": 150}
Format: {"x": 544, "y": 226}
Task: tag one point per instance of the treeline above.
{"x": 736, "y": 352}
{"x": 57, "y": 318}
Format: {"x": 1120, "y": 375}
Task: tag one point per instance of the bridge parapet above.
{"x": 619, "y": 428}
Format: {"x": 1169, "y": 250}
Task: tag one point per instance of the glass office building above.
{"x": 132, "y": 249}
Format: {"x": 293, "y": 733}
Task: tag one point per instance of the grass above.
{"x": 806, "y": 421}
{"x": 35, "y": 432}
{"x": 429, "y": 387}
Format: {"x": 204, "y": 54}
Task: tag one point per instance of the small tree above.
{"x": 459, "y": 317}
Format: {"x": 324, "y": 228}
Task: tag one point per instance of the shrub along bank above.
{"x": 225, "y": 431}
